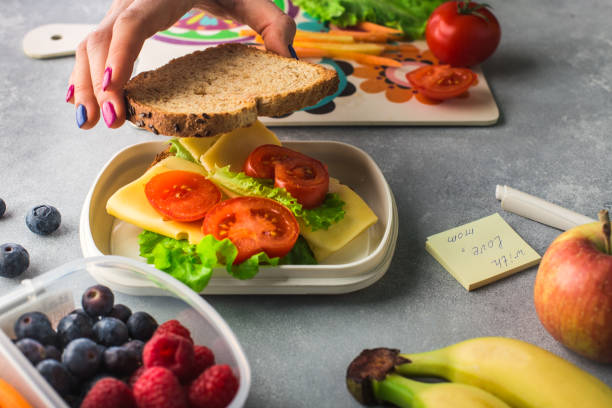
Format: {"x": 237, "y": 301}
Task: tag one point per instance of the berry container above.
{"x": 59, "y": 291}
{"x": 359, "y": 264}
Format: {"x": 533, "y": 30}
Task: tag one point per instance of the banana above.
{"x": 439, "y": 395}
{"x": 371, "y": 379}
{"x": 521, "y": 374}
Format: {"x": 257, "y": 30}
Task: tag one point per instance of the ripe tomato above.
{"x": 306, "y": 180}
{"x": 262, "y": 160}
{"x": 462, "y": 33}
{"x": 253, "y": 224}
{"x": 441, "y": 81}
{"x": 303, "y": 177}
{"x": 182, "y": 195}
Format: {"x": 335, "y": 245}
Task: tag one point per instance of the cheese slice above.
{"x": 234, "y": 147}
{"x": 197, "y": 146}
{"x": 358, "y": 217}
{"x": 130, "y": 204}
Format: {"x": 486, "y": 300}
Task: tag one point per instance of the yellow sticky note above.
{"x": 481, "y": 251}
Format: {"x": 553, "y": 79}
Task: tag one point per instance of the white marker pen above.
{"x": 538, "y": 210}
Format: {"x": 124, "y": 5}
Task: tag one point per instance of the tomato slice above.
{"x": 307, "y": 180}
{"x": 253, "y": 224}
{"x": 441, "y": 81}
{"x": 182, "y": 195}
{"x": 262, "y": 160}
{"x": 303, "y": 177}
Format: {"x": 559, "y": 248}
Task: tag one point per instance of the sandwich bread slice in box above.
{"x": 226, "y": 193}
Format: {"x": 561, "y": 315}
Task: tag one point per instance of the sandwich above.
{"x": 237, "y": 199}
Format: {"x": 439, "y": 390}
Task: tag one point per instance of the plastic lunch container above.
{"x": 59, "y": 291}
{"x": 359, "y": 264}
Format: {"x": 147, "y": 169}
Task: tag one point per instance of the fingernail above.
{"x": 70, "y": 93}
{"x": 107, "y": 78}
{"x": 292, "y": 51}
{"x": 81, "y": 115}
{"x": 108, "y": 112}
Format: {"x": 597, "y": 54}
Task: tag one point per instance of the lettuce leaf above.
{"x": 300, "y": 254}
{"x": 177, "y": 258}
{"x": 193, "y": 264}
{"x": 321, "y": 217}
{"x": 179, "y": 150}
{"x": 410, "y": 16}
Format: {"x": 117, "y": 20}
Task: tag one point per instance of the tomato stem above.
{"x": 604, "y": 218}
{"x": 466, "y": 8}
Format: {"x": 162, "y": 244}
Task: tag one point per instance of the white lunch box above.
{"x": 360, "y": 263}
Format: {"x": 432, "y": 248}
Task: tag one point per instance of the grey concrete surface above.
{"x": 552, "y": 79}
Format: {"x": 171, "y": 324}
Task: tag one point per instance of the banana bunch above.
{"x": 485, "y": 372}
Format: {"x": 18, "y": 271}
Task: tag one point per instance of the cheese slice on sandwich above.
{"x": 130, "y": 204}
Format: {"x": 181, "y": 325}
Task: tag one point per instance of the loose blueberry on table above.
{"x": 14, "y": 260}
{"x": 43, "y": 219}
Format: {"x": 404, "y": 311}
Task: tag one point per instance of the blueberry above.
{"x": 53, "y": 352}
{"x": 98, "y": 300}
{"x": 2, "y": 207}
{"x": 121, "y": 360}
{"x": 83, "y": 357}
{"x": 72, "y": 327}
{"x": 37, "y": 326}
{"x": 83, "y": 313}
{"x": 57, "y": 375}
{"x": 141, "y": 326}
{"x": 32, "y": 349}
{"x": 135, "y": 346}
{"x": 14, "y": 260}
{"x": 121, "y": 312}
{"x": 43, "y": 219}
{"x": 110, "y": 331}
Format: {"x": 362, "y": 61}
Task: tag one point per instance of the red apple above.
{"x": 573, "y": 291}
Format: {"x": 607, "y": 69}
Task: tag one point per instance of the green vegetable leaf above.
{"x": 300, "y": 254}
{"x": 178, "y": 258}
{"x": 410, "y": 16}
{"x": 213, "y": 252}
{"x": 179, "y": 150}
{"x": 321, "y": 217}
{"x": 193, "y": 264}
{"x": 250, "y": 267}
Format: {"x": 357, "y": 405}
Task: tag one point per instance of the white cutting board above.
{"x": 366, "y": 96}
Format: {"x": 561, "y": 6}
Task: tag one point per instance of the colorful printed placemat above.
{"x": 367, "y": 95}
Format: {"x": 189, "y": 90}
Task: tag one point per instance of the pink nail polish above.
{"x": 70, "y": 93}
{"x": 108, "y": 72}
{"x": 108, "y": 112}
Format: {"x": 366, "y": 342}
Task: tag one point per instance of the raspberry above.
{"x": 158, "y": 387}
{"x": 204, "y": 358}
{"x": 214, "y": 388}
{"x": 174, "y": 327}
{"x": 109, "y": 393}
{"x": 136, "y": 375}
{"x": 170, "y": 351}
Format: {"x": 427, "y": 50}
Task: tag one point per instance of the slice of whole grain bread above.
{"x": 223, "y": 88}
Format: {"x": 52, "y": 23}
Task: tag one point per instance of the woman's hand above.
{"x": 105, "y": 58}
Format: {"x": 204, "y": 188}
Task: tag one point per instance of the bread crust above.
{"x": 203, "y": 124}
{"x": 161, "y": 156}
